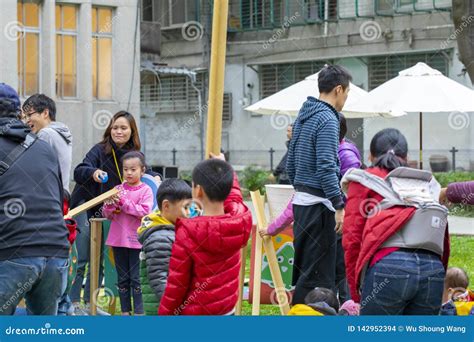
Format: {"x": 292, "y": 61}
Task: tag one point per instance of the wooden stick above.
{"x": 216, "y": 77}
{"x": 96, "y": 241}
{"x": 91, "y": 204}
{"x": 280, "y": 292}
{"x": 257, "y": 275}
{"x": 243, "y": 256}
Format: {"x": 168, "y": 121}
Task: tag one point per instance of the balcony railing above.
{"x": 251, "y": 15}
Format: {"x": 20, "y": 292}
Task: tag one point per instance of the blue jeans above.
{"x": 404, "y": 282}
{"x": 40, "y": 280}
{"x": 83, "y": 257}
{"x": 64, "y": 305}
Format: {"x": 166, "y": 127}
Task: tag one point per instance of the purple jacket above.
{"x": 349, "y": 156}
{"x": 462, "y": 193}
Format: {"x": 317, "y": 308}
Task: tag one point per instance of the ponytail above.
{"x": 389, "y": 148}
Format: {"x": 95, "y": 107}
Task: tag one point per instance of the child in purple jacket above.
{"x": 126, "y": 211}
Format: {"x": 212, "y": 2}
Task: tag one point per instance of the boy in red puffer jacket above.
{"x": 205, "y": 260}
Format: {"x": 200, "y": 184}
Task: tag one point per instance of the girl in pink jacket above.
{"x": 126, "y": 210}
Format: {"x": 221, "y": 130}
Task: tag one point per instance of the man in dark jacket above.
{"x": 33, "y": 236}
{"x": 313, "y": 169}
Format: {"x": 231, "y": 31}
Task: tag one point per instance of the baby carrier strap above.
{"x": 372, "y": 182}
{"x": 409, "y": 187}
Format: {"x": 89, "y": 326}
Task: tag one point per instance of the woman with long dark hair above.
{"x": 99, "y": 172}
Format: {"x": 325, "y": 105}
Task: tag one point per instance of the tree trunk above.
{"x": 463, "y": 17}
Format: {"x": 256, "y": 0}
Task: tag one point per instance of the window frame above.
{"x": 97, "y": 35}
{"x": 61, "y": 32}
{"x": 23, "y": 31}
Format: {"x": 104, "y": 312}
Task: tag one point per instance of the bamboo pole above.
{"x": 243, "y": 256}
{"x": 280, "y": 292}
{"x": 96, "y": 242}
{"x": 216, "y": 77}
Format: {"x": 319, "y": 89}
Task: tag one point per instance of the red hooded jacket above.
{"x": 363, "y": 237}
{"x": 205, "y": 261}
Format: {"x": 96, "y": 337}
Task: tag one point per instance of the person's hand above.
{"x": 220, "y": 156}
{"x": 113, "y": 200}
{"x": 263, "y": 232}
{"x": 443, "y": 198}
{"x": 339, "y": 220}
{"x": 98, "y": 173}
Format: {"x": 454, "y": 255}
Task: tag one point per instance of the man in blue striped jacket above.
{"x": 313, "y": 169}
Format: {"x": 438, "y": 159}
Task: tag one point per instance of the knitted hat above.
{"x": 8, "y": 94}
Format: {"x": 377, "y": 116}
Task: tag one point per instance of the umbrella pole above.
{"x": 421, "y": 141}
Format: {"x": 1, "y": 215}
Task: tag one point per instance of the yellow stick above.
{"x": 280, "y": 293}
{"x": 257, "y": 275}
{"x": 216, "y": 77}
{"x": 91, "y": 204}
{"x": 243, "y": 255}
{"x": 96, "y": 241}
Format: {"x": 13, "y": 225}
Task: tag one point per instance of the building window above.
{"x": 66, "y": 52}
{"x": 102, "y": 21}
{"x": 148, "y": 10}
{"x": 247, "y": 15}
{"x": 28, "y": 48}
{"x": 170, "y": 93}
{"x": 276, "y": 77}
{"x": 176, "y": 12}
{"x": 384, "y": 68}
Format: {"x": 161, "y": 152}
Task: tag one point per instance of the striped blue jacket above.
{"x": 313, "y": 164}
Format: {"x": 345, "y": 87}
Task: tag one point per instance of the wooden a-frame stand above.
{"x": 280, "y": 293}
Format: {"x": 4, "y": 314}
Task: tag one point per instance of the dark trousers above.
{"x": 341, "y": 282}
{"x": 127, "y": 263}
{"x": 315, "y": 249}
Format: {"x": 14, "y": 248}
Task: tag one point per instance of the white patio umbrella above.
{"x": 289, "y": 101}
{"x": 419, "y": 89}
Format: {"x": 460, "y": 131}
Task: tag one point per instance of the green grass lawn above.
{"x": 462, "y": 255}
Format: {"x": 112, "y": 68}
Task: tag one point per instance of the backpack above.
{"x": 410, "y": 188}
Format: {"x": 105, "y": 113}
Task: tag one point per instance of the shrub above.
{"x": 253, "y": 178}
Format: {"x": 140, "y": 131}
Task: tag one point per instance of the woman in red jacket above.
{"x": 388, "y": 280}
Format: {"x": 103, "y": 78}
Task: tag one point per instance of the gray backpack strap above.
{"x": 372, "y": 182}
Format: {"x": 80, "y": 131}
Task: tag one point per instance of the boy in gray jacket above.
{"x": 156, "y": 234}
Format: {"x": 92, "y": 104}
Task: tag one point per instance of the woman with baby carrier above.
{"x": 395, "y": 236}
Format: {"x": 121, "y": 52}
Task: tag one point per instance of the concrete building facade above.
{"x": 85, "y": 54}
{"x": 275, "y": 43}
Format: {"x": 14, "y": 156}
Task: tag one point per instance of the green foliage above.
{"x": 254, "y": 178}
{"x": 185, "y": 175}
{"x": 444, "y": 178}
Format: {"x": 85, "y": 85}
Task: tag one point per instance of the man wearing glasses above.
{"x": 39, "y": 112}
